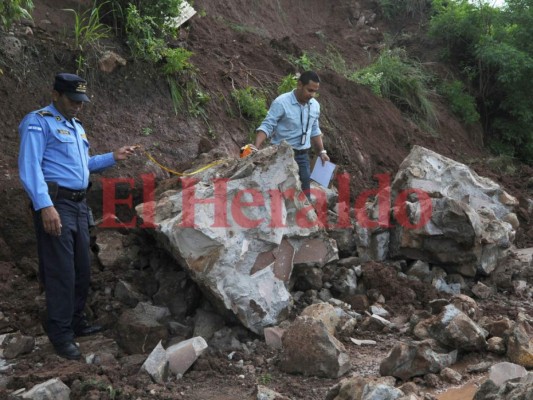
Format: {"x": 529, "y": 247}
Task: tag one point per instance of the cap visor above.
{"x": 78, "y": 97}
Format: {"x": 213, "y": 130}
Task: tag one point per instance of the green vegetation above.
{"x": 304, "y": 63}
{"x": 494, "y": 51}
{"x": 88, "y": 30}
{"x": 461, "y": 102}
{"x": 401, "y": 8}
{"x": 332, "y": 59}
{"x": 148, "y": 26}
{"x": 402, "y": 80}
{"x": 502, "y": 164}
{"x": 142, "y": 36}
{"x": 252, "y": 104}
{"x": 101, "y": 386}
{"x": 287, "y": 84}
{"x": 13, "y": 10}
{"x": 489, "y": 48}
{"x": 265, "y": 379}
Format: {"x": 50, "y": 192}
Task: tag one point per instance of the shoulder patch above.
{"x": 35, "y": 128}
{"x": 44, "y": 113}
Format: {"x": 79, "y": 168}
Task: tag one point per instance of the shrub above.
{"x": 142, "y": 37}
{"x": 88, "y": 29}
{"x": 251, "y": 103}
{"x": 288, "y": 83}
{"x": 13, "y": 10}
{"x": 176, "y": 60}
{"x": 402, "y": 80}
{"x": 399, "y": 8}
{"x": 462, "y": 103}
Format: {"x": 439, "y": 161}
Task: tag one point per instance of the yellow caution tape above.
{"x": 181, "y": 173}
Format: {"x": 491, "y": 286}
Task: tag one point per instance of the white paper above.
{"x": 186, "y": 12}
{"x": 322, "y": 174}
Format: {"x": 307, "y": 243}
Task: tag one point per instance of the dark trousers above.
{"x": 304, "y": 170}
{"x": 64, "y": 269}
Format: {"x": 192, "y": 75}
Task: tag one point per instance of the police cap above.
{"x": 72, "y": 85}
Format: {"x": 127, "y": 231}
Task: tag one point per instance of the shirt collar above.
{"x": 294, "y": 100}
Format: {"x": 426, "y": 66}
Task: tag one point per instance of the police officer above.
{"x": 55, "y": 164}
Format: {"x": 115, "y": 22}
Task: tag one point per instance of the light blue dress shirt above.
{"x": 54, "y": 149}
{"x": 290, "y": 121}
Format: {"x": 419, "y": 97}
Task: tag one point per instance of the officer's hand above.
{"x": 51, "y": 221}
{"x": 324, "y": 157}
{"x": 124, "y": 152}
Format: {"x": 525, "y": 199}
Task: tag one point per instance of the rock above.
{"x": 16, "y": 344}
{"x": 52, "y": 389}
{"x": 141, "y": 328}
{"x": 156, "y": 365}
{"x": 407, "y": 360}
{"x": 244, "y": 258}
{"x": 323, "y": 312}
{"x": 322, "y": 356}
{"x": 109, "y": 61}
{"x": 347, "y": 389}
{"x": 458, "y": 215}
{"x": 182, "y": 355}
{"x": 453, "y": 328}
{"x": 520, "y": 344}
{"x": 273, "y": 336}
{"x": 451, "y": 376}
{"x": 504, "y": 371}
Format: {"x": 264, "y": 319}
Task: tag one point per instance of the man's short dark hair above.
{"x": 308, "y": 76}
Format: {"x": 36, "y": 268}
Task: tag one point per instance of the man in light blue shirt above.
{"x": 54, "y": 167}
{"x": 293, "y": 117}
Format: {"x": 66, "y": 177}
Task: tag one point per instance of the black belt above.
{"x": 69, "y": 194}
{"x": 298, "y": 152}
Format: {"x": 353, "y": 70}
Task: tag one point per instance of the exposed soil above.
{"x": 243, "y": 43}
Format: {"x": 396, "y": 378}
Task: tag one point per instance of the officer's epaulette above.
{"x": 44, "y": 113}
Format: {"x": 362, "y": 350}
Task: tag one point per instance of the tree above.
{"x": 493, "y": 49}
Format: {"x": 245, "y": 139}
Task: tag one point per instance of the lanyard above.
{"x": 304, "y": 132}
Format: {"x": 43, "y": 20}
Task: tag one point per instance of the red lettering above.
{"x": 219, "y": 201}
{"x": 343, "y": 202}
{"x": 148, "y": 201}
{"x": 237, "y": 204}
{"x": 276, "y": 208}
{"x": 302, "y": 215}
{"x": 109, "y": 203}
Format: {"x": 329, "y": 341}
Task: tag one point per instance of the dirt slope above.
{"x": 236, "y": 44}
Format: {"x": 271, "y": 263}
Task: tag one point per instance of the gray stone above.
{"x": 182, "y": 355}
{"x": 466, "y": 227}
{"x": 407, "y": 360}
{"x": 52, "y": 389}
{"x": 244, "y": 258}
{"x": 504, "y": 371}
{"x": 156, "y": 365}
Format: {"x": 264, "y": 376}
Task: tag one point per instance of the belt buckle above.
{"x": 77, "y": 196}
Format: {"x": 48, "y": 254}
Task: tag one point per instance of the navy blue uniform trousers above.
{"x": 65, "y": 268}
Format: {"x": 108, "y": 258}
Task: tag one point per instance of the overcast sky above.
{"x": 494, "y": 3}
